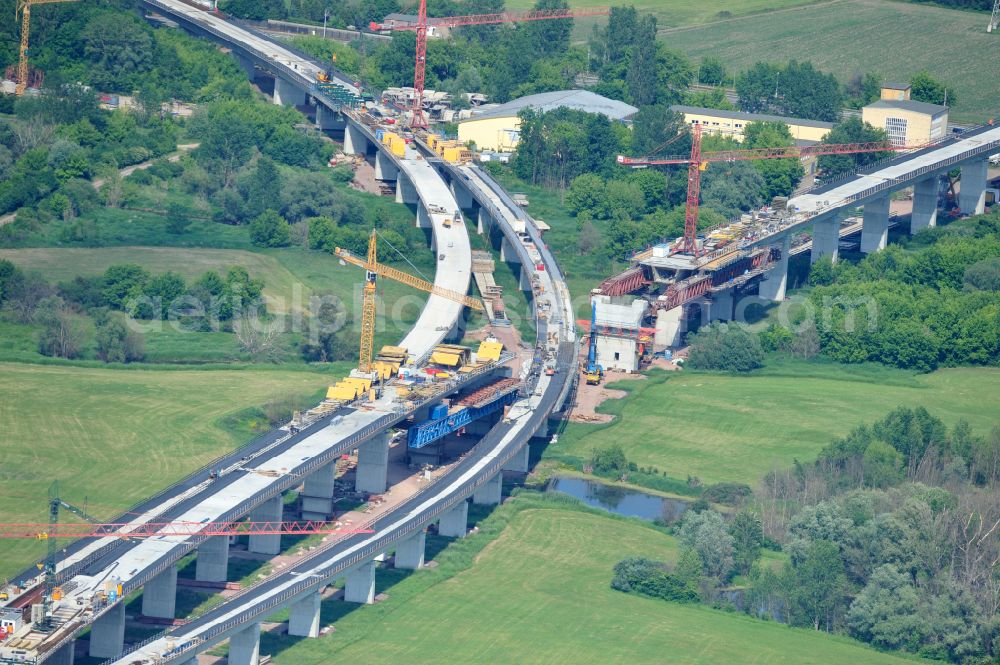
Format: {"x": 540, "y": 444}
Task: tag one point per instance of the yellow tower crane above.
{"x": 24, "y": 8}
{"x": 373, "y": 270}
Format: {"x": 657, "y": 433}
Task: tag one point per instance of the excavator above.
{"x": 593, "y": 372}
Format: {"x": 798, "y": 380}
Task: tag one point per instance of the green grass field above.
{"x": 117, "y": 436}
{"x": 540, "y": 593}
{"x": 681, "y": 12}
{"x": 848, "y": 37}
{"x": 736, "y": 428}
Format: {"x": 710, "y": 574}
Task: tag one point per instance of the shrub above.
{"x": 651, "y": 578}
{"x": 728, "y": 494}
{"x": 726, "y": 347}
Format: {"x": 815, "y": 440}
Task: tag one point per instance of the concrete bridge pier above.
{"x": 721, "y": 308}
{"x": 246, "y": 64}
{"x": 212, "y": 562}
{"x": 355, "y": 142}
{"x": 972, "y": 194}
{"x": 317, "y": 493}
{"x": 64, "y": 656}
{"x": 385, "y": 168}
{"x": 373, "y": 463}
{"x": 159, "y": 595}
{"x": 269, "y": 511}
{"x": 423, "y": 220}
{"x": 483, "y": 221}
{"x": 669, "y": 326}
{"x": 457, "y": 331}
{"x": 775, "y": 281}
{"x": 488, "y": 494}
{"x": 875, "y": 225}
{"x": 507, "y": 252}
{"x": 360, "y": 585}
{"x": 107, "y": 634}
{"x": 524, "y": 280}
{"x": 406, "y": 192}
{"x": 328, "y": 120}
{"x": 519, "y": 462}
{"x": 462, "y": 195}
{"x": 410, "y": 552}
{"x": 454, "y": 522}
{"x": 826, "y": 239}
{"x": 244, "y": 646}
{"x": 925, "y": 205}
{"x": 303, "y": 616}
{"x": 287, "y": 93}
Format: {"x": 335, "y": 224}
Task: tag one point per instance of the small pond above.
{"x": 619, "y": 500}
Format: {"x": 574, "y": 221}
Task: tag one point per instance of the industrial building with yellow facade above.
{"x": 733, "y": 123}
{"x": 498, "y": 129}
{"x": 908, "y": 122}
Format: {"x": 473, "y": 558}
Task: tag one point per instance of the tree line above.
{"x": 890, "y": 534}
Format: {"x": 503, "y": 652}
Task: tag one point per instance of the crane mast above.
{"x": 24, "y": 7}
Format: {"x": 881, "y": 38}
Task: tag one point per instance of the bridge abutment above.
{"x": 454, "y": 522}
{"x": 303, "y": 616}
{"x": 269, "y": 511}
{"x": 212, "y": 562}
{"x": 775, "y": 281}
{"x": 825, "y": 239}
{"x": 925, "y": 205}
{"x": 317, "y": 493}
{"x": 360, "y": 584}
{"x": 159, "y": 595}
{"x": 972, "y": 194}
{"x": 489, "y": 493}
{"x": 244, "y": 646}
{"x": 875, "y": 225}
{"x": 410, "y": 551}
{"x": 373, "y": 464}
{"x": 107, "y": 634}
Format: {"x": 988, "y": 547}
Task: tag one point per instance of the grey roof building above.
{"x": 580, "y": 100}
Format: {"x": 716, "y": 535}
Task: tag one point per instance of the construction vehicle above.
{"x": 593, "y": 372}
{"x": 24, "y": 7}
{"x": 418, "y": 119}
{"x": 373, "y": 270}
{"x": 326, "y": 76}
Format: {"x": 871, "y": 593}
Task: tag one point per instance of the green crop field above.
{"x": 540, "y": 593}
{"x": 736, "y": 428}
{"x": 117, "y": 436}
{"x": 682, "y": 12}
{"x": 848, "y": 37}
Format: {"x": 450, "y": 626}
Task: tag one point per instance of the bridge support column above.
{"x": 454, "y": 522}
{"x": 246, "y": 64}
{"x": 406, "y": 192}
{"x": 360, "y": 586}
{"x": 107, "y": 634}
{"x": 507, "y": 252}
{"x": 317, "y": 493}
{"x": 519, "y": 462}
{"x": 288, "y": 94}
{"x": 925, "y": 205}
{"x": 269, "y": 511}
{"x": 212, "y": 562}
{"x": 524, "y": 281}
{"x": 385, "y": 168}
{"x": 327, "y": 119}
{"x": 373, "y": 464}
{"x": 410, "y": 552}
{"x": 303, "y": 616}
{"x": 64, "y": 656}
{"x": 159, "y": 595}
{"x": 355, "y": 142}
{"x": 244, "y": 646}
{"x": 826, "y": 239}
{"x": 457, "y": 331}
{"x": 972, "y": 194}
{"x": 488, "y": 494}
{"x": 462, "y": 195}
{"x": 669, "y": 326}
{"x": 775, "y": 281}
{"x": 482, "y": 221}
{"x": 423, "y": 218}
{"x": 875, "y": 225}
{"x": 721, "y": 308}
